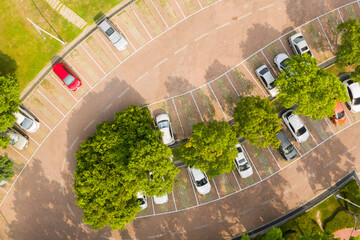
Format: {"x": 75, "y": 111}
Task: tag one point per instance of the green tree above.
{"x": 274, "y": 234}
{"x": 115, "y": 163}
{"x": 355, "y": 75}
{"x": 211, "y": 148}
{"x": 349, "y": 49}
{"x": 257, "y": 121}
{"x": 314, "y": 90}
{"x": 6, "y": 172}
{"x": 317, "y": 236}
{"x": 9, "y": 103}
{"x": 245, "y": 237}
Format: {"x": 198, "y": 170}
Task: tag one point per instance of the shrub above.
{"x": 340, "y": 221}
{"x": 6, "y": 171}
{"x": 352, "y": 192}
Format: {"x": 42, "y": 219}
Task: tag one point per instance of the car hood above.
{"x": 75, "y": 85}
{"x": 60, "y": 71}
{"x": 167, "y": 138}
{"x": 21, "y": 143}
{"x": 290, "y": 155}
{"x": 34, "y": 127}
{"x": 303, "y": 137}
{"x": 281, "y": 57}
{"x": 355, "y": 108}
{"x": 120, "y": 43}
{"x": 273, "y": 92}
{"x": 247, "y": 173}
{"x": 204, "y": 189}
{"x": 161, "y": 200}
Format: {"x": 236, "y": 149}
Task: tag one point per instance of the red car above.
{"x": 69, "y": 79}
{"x": 339, "y": 117}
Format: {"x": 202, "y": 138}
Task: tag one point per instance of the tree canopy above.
{"x": 9, "y": 103}
{"x": 256, "y": 120}
{"x": 314, "y": 90}
{"x": 115, "y": 163}
{"x": 6, "y": 172}
{"x": 349, "y": 49}
{"x": 211, "y": 148}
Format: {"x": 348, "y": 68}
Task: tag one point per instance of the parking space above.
{"x": 350, "y": 11}
{"x": 330, "y": 22}
{"x": 184, "y": 191}
{"x": 169, "y": 11}
{"x": 169, "y": 108}
{"x": 319, "y": 129}
{"x": 280, "y": 159}
{"x": 212, "y": 195}
{"x": 165, "y": 207}
{"x": 119, "y": 55}
{"x": 132, "y": 28}
{"x": 206, "y": 2}
{"x": 276, "y": 48}
{"x": 149, "y": 17}
{"x": 316, "y": 39}
{"x": 226, "y": 184}
{"x": 226, "y": 95}
{"x": 188, "y": 112}
{"x": 188, "y": 7}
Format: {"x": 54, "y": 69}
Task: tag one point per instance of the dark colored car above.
{"x": 68, "y": 77}
{"x": 286, "y": 148}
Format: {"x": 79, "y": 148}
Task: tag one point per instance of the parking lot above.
{"x": 141, "y": 23}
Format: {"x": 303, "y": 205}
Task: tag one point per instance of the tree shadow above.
{"x": 301, "y": 11}
{"x": 8, "y": 65}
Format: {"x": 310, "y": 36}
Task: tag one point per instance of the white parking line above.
{"x": 181, "y": 49}
{"x": 284, "y": 47}
{"x": 161, "y": 62}
{"x": 200, "y": 4}
{"x": 67, "y": 90}
{"x": 251, "y": 161}
{"x": 222, "y": 26}
{"x": 297, "y": 150}
{"x": 32, "y": 139}
{"x": 244, "y": 16}
{"x": 202, "y": 119}
{"x": 180, "y": 9}
{"x": 122, "y": 94}
{"x": 177, "y": 113}
{"x": 326, "y": 35}
{"x": 77, "y": 73}
{"x": 73, "y": 143}
{"x": 192, "y": 186}
{"x": 329, "y": 125}
{"x": 236, "y": 180}
{"x": 267, "y": 6}
{"x": 89, "y": 124}
{"x": 202, "y": 36}
{"x": 63, "y": 165}
{"x": 347, "y": 117}
{"x": 218, "y": 101}
{"x": 313, "y": 137}
{"x": 50, "y": 102}
{"x": 216, "y": 188}
{"x": 42, "y": 122}
{"x": 153, "y": 208}
{"x": 237, "y": 93}
{"x": 3, "y": 190}
{"x": 268, "y": 62}
{"x": 159, "y": 14}
{"x": 174, "y": 200}
{"x": 255, "y": 80}
{"x": 340, "y": 15}
{"x": 107, "y": 108}
{"x": 72, "y": 213}
{"x": 139, "y": 78}
{"x": 142, "y": 24}
{"x": 92, "y": 58}
{"x": 127, "y": 39}
{"x": 109, "y": 47}
{"x": 274, "y": 158}
{"x": 18, "y": 152}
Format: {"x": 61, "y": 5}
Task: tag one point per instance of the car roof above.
{"x": 295, "y": 121}
{"x": 355, "y": 89}
{"x": 161, "y": 117}
{"x": 284, "y": 140}
{"x": 104, "y": 25}
{"x": 197, "y": 173}
{"x": 338, "y": 108}
{"x": 281, "y": 57}
{"x": 296, "y": 35}
{"x": 20, "y": 117}
{"x": 59, "y": 70}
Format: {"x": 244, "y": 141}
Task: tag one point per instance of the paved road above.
{"x": 164, "y": 63}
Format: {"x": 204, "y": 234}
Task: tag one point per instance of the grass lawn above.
{"x": 337, "y": 70}
{"x": 91, "y": 9}
{"x": 22, "y": 45}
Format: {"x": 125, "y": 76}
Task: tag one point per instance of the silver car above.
{"x": 26, "y": 120}
{"x": 299, "y": 44}
{"x": 242, "y": 164}
{"x": 296, "y": 126}
{"x": 280, "y": 60}
{"x": 16, "y": 139}
{"x": 112, "y": 34}
{"x": 267, "y": 79}
{"x": 164, "y": 125}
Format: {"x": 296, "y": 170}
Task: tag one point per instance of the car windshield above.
{"x": 163, "y": 124}
{"x": 298, "y": 39}
{"x": 239, "y": 149}
{"x": 340, "y": 115}
{"x": 27, "y": 123}
{"x": 301, "y": 131}
{"x": 289, "y": 149}
{"x": 201, "y": 182}
{"x": 69, "y": 80}
{"x": 272, "y": 85}
{"x": 264, "y": 70}
{"x": 282, "y": 64}
{"x": 244, "y": 167}
{"x": 356, "y": 101}
{"x": 14, "y": 138}
{"x": 110, "y": 31}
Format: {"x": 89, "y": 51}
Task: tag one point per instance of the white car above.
{"x": 142, "y": 200}
{"x": 164, "y": 125}
{"x": 280, "y": 61}
{"x": 200, "y": 180}
{"x": 296, "y": 126}
{"x": 267, "y": 79}
{"x": 16, "y": 138}
{"x": 353, "y": 89}
{"x": 26, "y": 121}
{"x": 113, "y": 35}
{"x": 242, "y": 164}
{"x": 161, "y": 200}
{"x": 299, "y": 44}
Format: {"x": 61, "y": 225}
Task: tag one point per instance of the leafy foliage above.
{"x": 351, "y": 192}
{"x": 115, "y": 163}
{"x": 317, "y": 236}
{"x": 274, "y": 234}
{"x": 355, "y": 75}
{"x": 6, "y": 171}
{"x": 9, "y": 103}
{"x": 257, "y": 121}
{"x": 340, "y": 221}
{"x": 349, "y": 49}
{"x": 314, "y": 90}
{"x": 211, "y": 148}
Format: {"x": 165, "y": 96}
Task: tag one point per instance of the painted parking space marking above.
{"x": 244, "y": 16}
{"x": 340, "y": 15}
{"x": 109, "y": 47}
{"x": 247, "y": 211}
{"x": 159, "y": 14}
{"x": 181, "y": 49}
{"x": 50, "y": 102}
{"x": 73, "y": 143}
{"x": 347, "y": 117}
{"x": 62, "y": 189}
{"x": 92, "y": 59}
{"x": 269, "y": 62}
{"x": 82, "y": 79}
{"x": 217, "y": 192}
{"x": 180, "y": 9}
{"x": 107, "y": 108}
{"x": 277, "y": 163}
{"x": 237, "y": 93}
{"x": 161, "y": 62}
{"x": 192, "y": 186}
{"x": 329, "y": 125}
{"x": 313, "y": 138}
{"x": 197, "y": 107}
{"x": 32, "y": 139}
{"x": 89, "y": 124}
{"x": 122, "y": 94}
{"x": 251, "y": 161}
{"x": 222, "y": 26}
{"x": 139, "y": 78}
{"x": 267, "y": 6}
{"x": 327, "y": 38}
{"x": 284, "y": 47}
{"x": 237, "y": 182}
{"x": 153, "y": 208}
{"x": 179, "y": 232}
{"x": 155, "y": 236}
{"x": 177, "y": 113}
{"x": 13, "y": 148}
{"x": 289, "y": 189}
{"x": 254, "y": 80}
{"x": 218, "y": 101}
{"x": 174, "y": 200}
{"x": 142, "y": 24}
{"x": 202, "y": 36}
{"x": 67, "y": 90}
{"x": 70, "y": 210}
{"x": 268, "y": 201}
{"x": 63, "y": 165}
